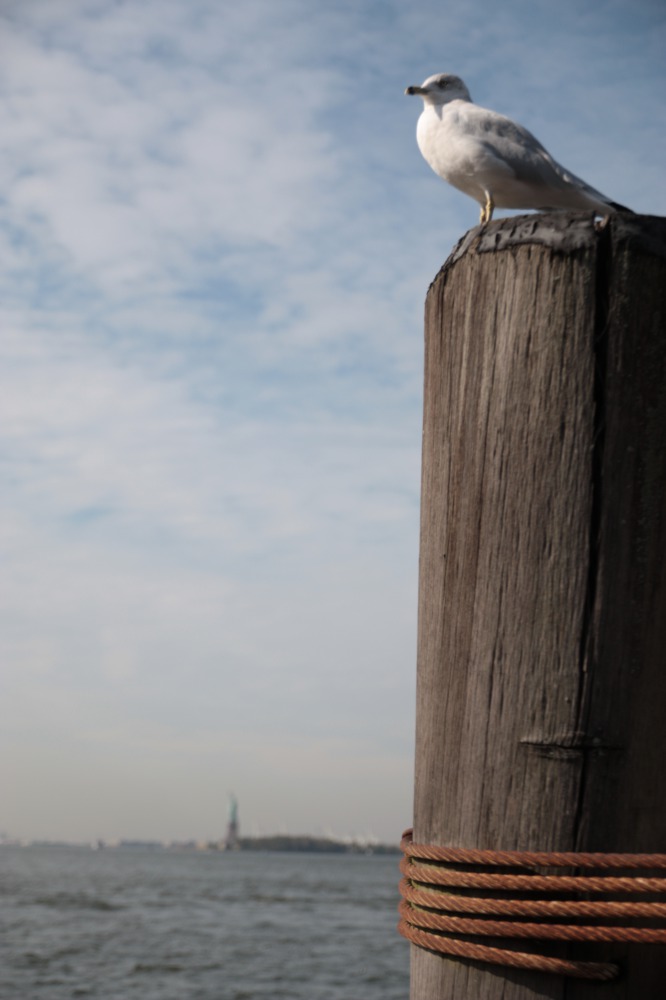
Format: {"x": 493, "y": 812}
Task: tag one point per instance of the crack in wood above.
{"x": 569, "y": 748}
{"x": 587, "y": 661}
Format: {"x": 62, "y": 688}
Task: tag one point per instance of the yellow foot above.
{"x": 487, "y": 210}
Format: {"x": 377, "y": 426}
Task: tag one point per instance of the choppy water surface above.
{"x": 168, "y": 925}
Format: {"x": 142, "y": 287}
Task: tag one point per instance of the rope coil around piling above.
{"x": 453, "y": 905}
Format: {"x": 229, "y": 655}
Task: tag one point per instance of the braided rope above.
{"x": 428, "y": 911}
{"x": 611, "y": 910}
{"x": 502, "y": 956}
{"x": 530, "y": 859}
{"x": 528, "y": 883}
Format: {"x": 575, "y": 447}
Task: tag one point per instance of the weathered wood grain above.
{"x": 541, "y": 695}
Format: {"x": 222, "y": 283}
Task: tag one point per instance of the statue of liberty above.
{"x": 232, "y": 843}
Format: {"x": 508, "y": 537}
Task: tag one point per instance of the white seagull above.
{"x": 491, "y": 158}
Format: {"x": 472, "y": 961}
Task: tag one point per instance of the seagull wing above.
{"x": 529, "y": 162}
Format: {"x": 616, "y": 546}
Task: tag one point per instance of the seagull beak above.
{"x": 416, "y": 90}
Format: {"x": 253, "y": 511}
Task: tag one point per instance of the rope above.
{"x": 442, "y": 919}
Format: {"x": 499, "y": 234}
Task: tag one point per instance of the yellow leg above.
{"x": 488, "y": 209}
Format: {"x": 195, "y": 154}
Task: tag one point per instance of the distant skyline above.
{"x": 217, "y": 233}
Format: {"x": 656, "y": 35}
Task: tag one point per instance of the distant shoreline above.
{"x": 277, "y": 843}
{"x": 314, "y": 845}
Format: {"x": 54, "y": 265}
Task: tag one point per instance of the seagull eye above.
{"x": 442, "y": 84}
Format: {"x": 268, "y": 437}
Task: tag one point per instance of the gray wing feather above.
{"x": 523, "y": 154}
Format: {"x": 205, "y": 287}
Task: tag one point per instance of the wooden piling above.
{"x": 541, "y": 697}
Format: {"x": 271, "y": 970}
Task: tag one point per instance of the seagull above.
{"x": 491, "y": 158}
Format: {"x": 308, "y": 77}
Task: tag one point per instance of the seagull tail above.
{"x": 620, "y": 208}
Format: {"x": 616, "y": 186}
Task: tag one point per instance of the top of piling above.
{"x": 562, "y": 232}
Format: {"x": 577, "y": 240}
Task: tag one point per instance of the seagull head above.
{"x": 440, "y": 89}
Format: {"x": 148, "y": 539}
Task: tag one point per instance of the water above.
{"x": 168, "y": 925}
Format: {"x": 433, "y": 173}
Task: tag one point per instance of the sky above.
{"x": 216, "y": 237}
